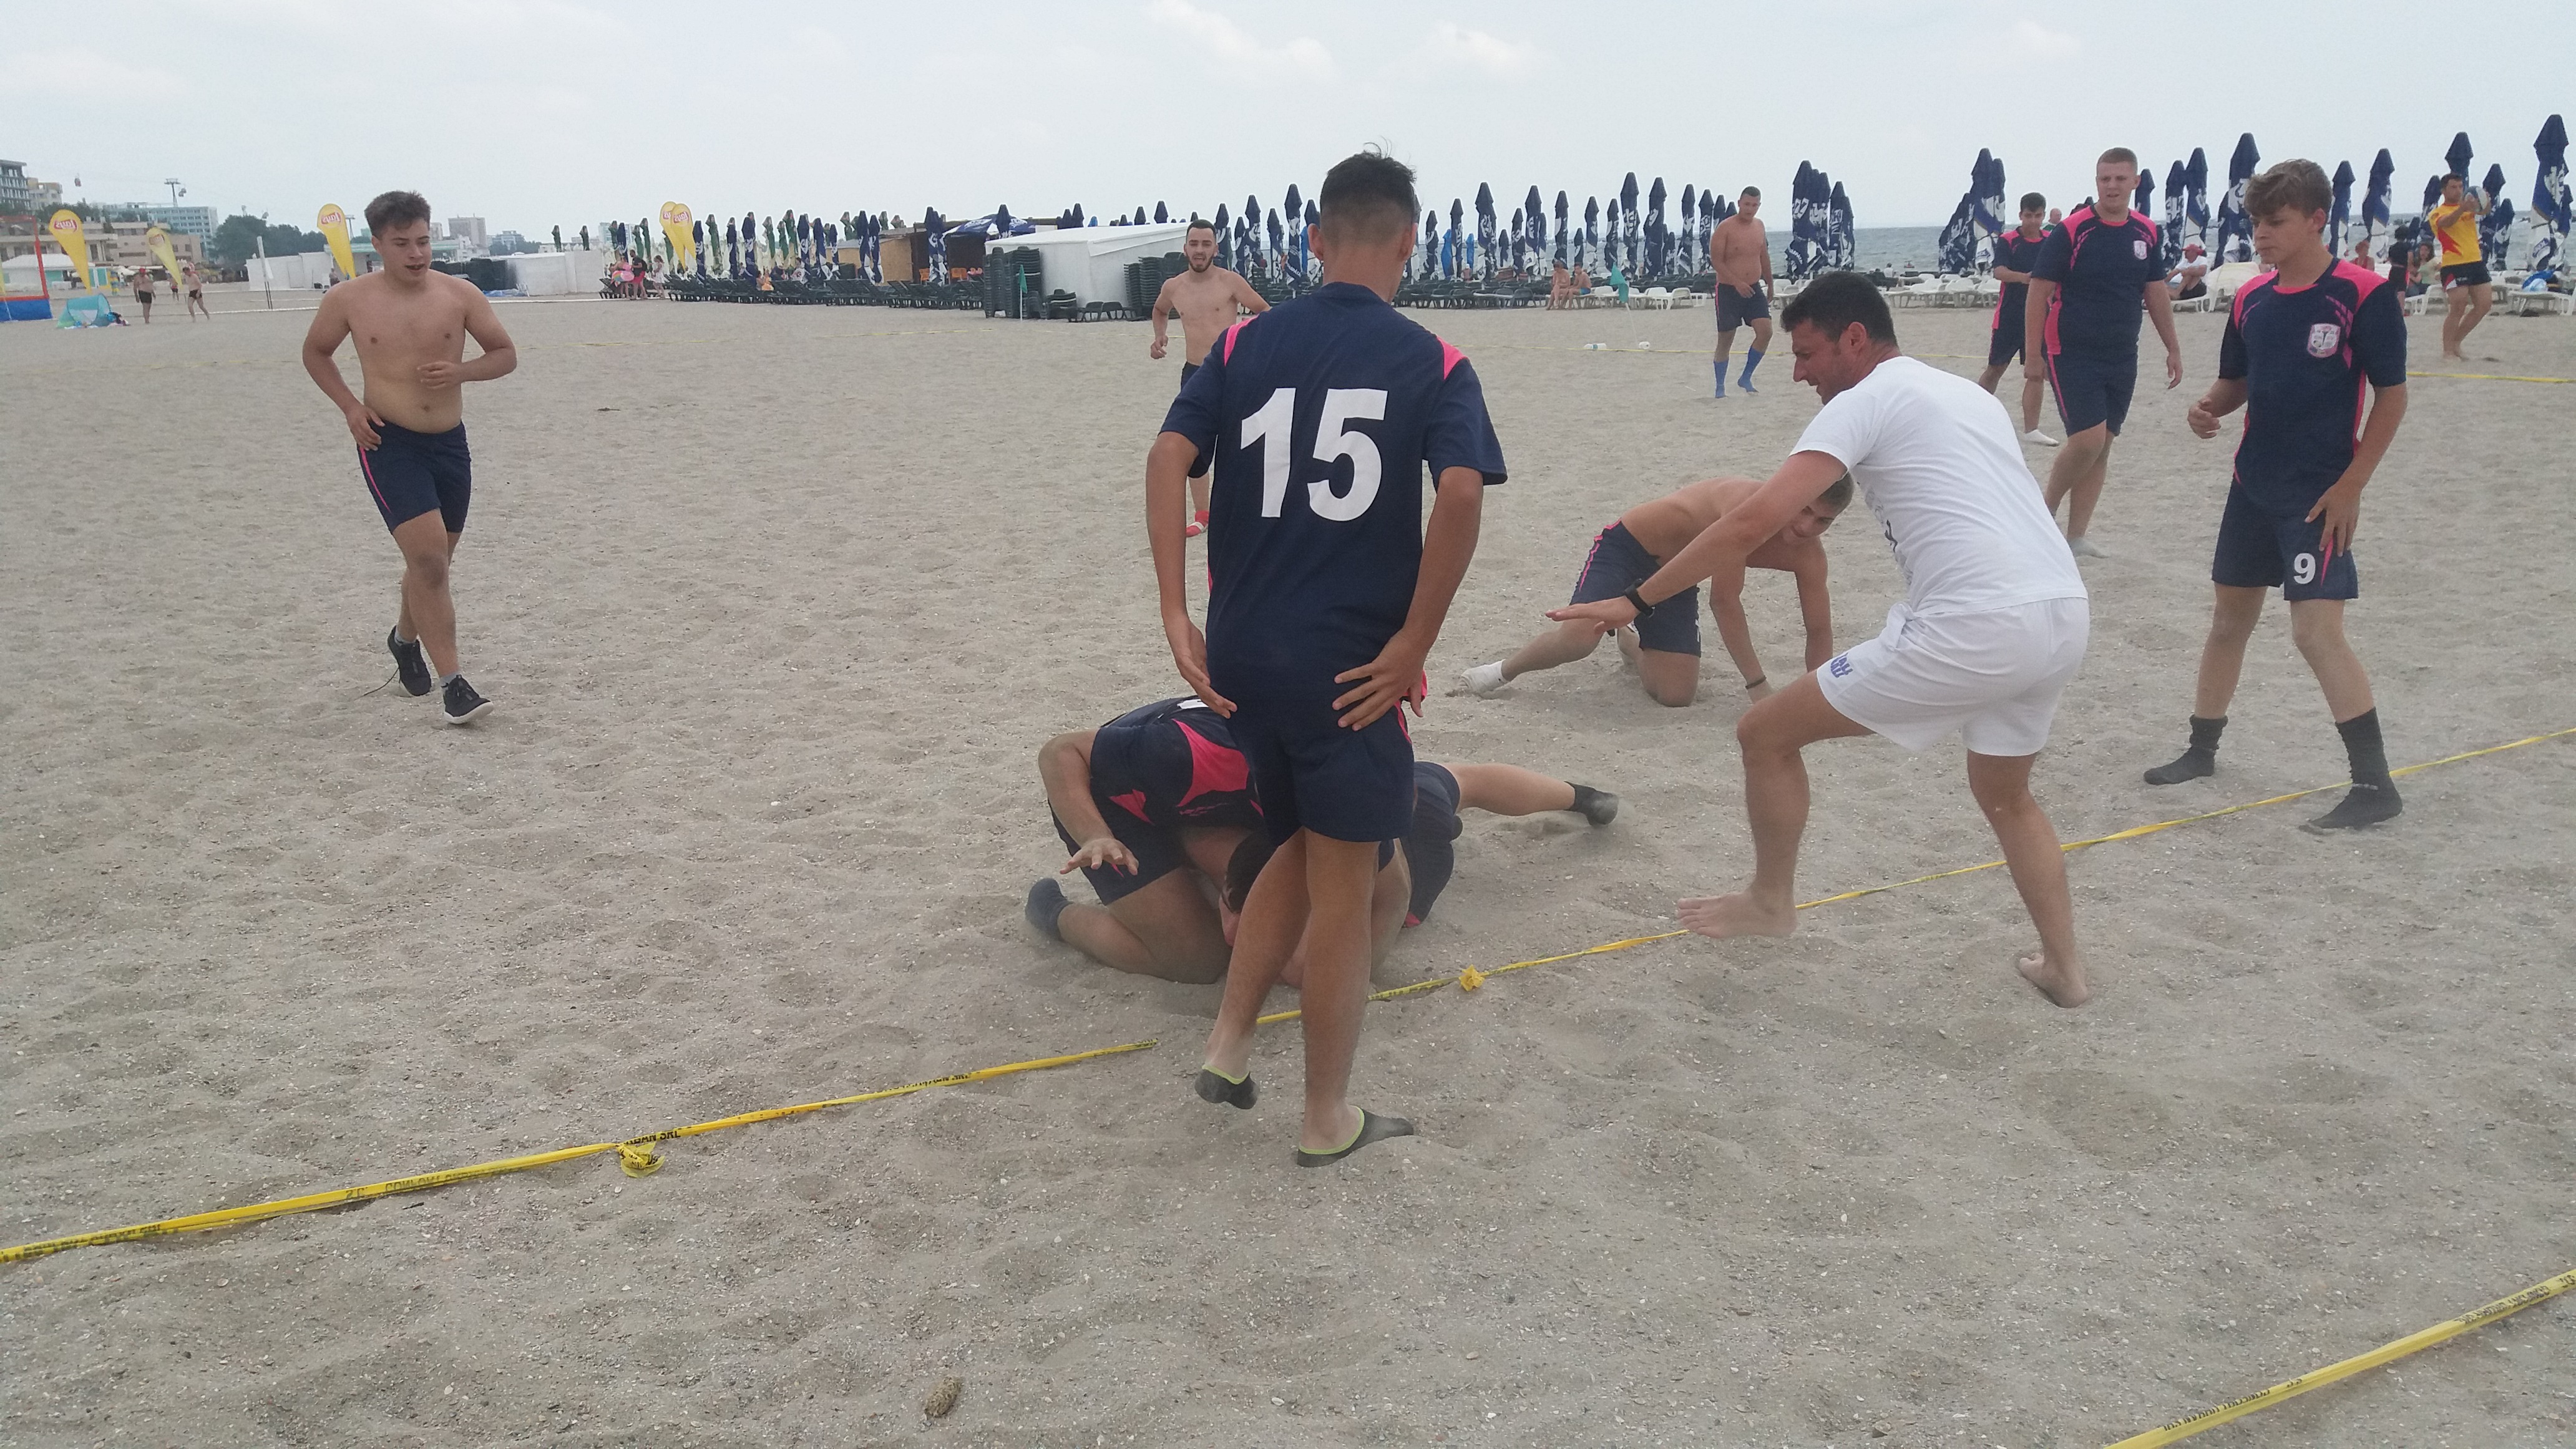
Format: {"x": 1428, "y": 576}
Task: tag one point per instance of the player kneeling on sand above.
{"x": 1992, "y": 627}
{"x": 2302, "y": 342}
{"x": 1665, "y": 647}
{"x": 1157, "y": 808}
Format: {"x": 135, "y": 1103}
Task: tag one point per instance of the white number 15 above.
{"x": 1334, "y": 441}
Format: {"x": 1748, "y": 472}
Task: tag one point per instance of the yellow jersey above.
{"x": 2457, "y": 226}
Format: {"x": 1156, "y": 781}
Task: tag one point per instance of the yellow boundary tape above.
{"x": 1471, "y": 978}
{"x": 635, "y": 1154}
{"x": 637, "y": 1157}
{"x": 2181, "y": 1429}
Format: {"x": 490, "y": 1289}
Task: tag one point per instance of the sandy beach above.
{"x": 778, "y": 603}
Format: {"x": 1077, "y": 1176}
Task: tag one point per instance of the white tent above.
{"x": 556, "y": 274}
{"x": 1091, "y": 261}
{"x": 21, "y": 272}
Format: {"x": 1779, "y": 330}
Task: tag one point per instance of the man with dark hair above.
{"x": 2016, "y": 252}
{"x": 1208, "y": 298}
{"x": 2467, "y": 290}
{"x": 410, "y": 324}
{"x": 1741, "y": 255}
{"x": 1328, "y": 592}
{"x": 1992, "y": 627}
{"x": 2093, "y": 277}
{"x": 1665, "y": 649}
{"x": 2302, "y": 342}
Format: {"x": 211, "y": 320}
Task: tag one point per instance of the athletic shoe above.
{"x": 2036, "y": 436}
{"x": 2083, "y": 547}
{"x": 408, "y": 663}
{"x": 463, "y": 705}
{"x": 1484, "y": 679}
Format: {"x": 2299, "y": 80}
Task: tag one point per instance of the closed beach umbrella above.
{"x": 1278, "y": 245}
{"x": 2375, "y": 200}
{"x": 1958, "y": 240}
{"x": 1686, "y": 245}
{"x": 2235, "y": 231}
{"x": 1802, "y": 234}
{"x": 1448, "y": 250}
{"x": 1656, "y": 229}
{"x": 2459, "y": 156}
{"x": 2195, "y": 209}
{"x": 1986, "y": 206}
{"x": 2177, "y": 181}
{"x": 2551, "y": 208}
{"x": 1292, "y": 244}
{"x": 1844, "y": 242}
{"x": 1610, "y": 237}
{"x": 1534, "y": 207}
{"x": 1482, "y": 258}
{"x": 1160, "y": 215}
{"x": 2142, "y": 199}
{"x": 1628, "y": 224}
{"x": 1589, "y": 254}
{"x": 2339, "y": 217}
{"x": 2495, "y": 229}
{"x": 1426, "y": 246}
{"x": 1307, "y": 265}
{"x": 1560, "y": 229}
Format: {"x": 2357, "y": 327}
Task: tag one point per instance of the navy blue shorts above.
{"x": 2005, "y": 344}
{"x": 1157, "y": 850}
{"x": 1619, "y": 563}
{"x": 1198, "y": 469}
{"x": 2260, "y": 549}
{"x": 1734, "y": 309}
{"x": 2092, "y": 391}
{"x": 1312, "y": 774}
{"x": 1430, "y": 849}
{"x": 411, "y": 473}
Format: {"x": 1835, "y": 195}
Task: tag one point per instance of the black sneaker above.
{"x": 464, "y": 706}
{"x": 408, "y": 663}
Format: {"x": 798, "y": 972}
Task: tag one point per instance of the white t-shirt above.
{"x": 1936, "y": 459}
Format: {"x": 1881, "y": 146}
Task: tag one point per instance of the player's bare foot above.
{"x": 1738, "y": 915}
{"x": 2063, "y": 984}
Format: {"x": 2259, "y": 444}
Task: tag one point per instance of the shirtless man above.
{"x": 1207, "y": 297}
{"x": 143, "y": 292}
{"x": 195, "y": 285}
{"x": 1665, "y": 648}
{"x": 1741, "y": 253}
{"x": 410, "y": 325}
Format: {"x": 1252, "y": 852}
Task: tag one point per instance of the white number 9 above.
{"x": 1334, "y": 442}
{"x": 2303, "y": 569}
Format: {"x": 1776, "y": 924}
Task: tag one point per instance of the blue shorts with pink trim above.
{"x": 409, "y": 473}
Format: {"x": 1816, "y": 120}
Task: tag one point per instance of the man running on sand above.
{"x": 1330, "y": 589}
{"x": 410, "y": 325}
{"x": 1741, "y": 253}
{"x": 1992, "y": 627}
{"x": 2093, "y": 277}
{"x": 1665, "y": 648}
{"x": 1207, "y": 296}
{"x": 2303, "y": 340}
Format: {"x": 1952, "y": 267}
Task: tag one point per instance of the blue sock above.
{"x": 1721, "y": 376}
{"x": 1752, "y": 360}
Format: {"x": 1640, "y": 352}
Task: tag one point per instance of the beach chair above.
{"x": 1652, "y": 298}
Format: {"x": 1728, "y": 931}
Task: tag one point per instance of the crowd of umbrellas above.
{"x": 1967, "y": 241}
{"x": 1633, "y": 233}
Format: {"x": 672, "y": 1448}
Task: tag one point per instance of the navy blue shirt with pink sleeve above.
{"x": 2309, "y": 356}
{"x": 1323, "y": 415}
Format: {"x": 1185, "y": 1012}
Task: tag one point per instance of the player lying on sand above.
{"x": 1157, "y": 808}
{"x": 1665, "y": 648}
{"x": 1992, "y": 627}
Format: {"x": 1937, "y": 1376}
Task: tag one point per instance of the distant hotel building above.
{"x": 16, "y": 195}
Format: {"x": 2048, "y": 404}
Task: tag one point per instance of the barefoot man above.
{"x": 1207, "y": 297}
{"x": 1992, "y": 627}
{"x": 410, "y": 324}
{"x": 1741, "y": 253}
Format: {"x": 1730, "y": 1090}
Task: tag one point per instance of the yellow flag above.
{"x": 66, "y": 227}
{"x": 159, "y": 240}
{"x": 675, "y": 226}
{"x": 334, "y": 225}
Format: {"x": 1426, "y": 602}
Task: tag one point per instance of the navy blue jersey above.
{"x": 1172, "y": 763}
{"x": 2021, "y": 254}
{"x": 2306, "y": 355}
{"x": 2101, "y": 272}
{"x": 1322, "y": 414}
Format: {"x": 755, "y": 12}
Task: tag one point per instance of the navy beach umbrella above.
{"x": 2235, "y": 229}
{"x": 2551, "y": 209}
{"x": 1560, "y": 230}
{"x": 1628, "y": 218}
{"x": 2339, "y": 217}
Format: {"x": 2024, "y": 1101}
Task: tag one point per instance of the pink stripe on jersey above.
{"x": 1230, "y": 334}
{"x": 1450, "y": 357}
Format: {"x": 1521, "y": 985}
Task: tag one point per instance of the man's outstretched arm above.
{"x": 1718, "y": 554}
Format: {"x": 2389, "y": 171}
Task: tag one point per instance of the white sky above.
{"x": 558, "y": 113}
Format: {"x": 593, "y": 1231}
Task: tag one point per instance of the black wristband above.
{"x": 1638, "y": 603}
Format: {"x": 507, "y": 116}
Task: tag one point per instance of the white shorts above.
{"x": 1993, "y": 676}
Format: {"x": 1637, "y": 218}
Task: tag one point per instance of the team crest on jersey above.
{"x": 2140, "y": 247}
{"x": 2323, "y": 339}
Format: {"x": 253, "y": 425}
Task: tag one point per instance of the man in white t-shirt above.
{"x": 1992, "y": 627}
